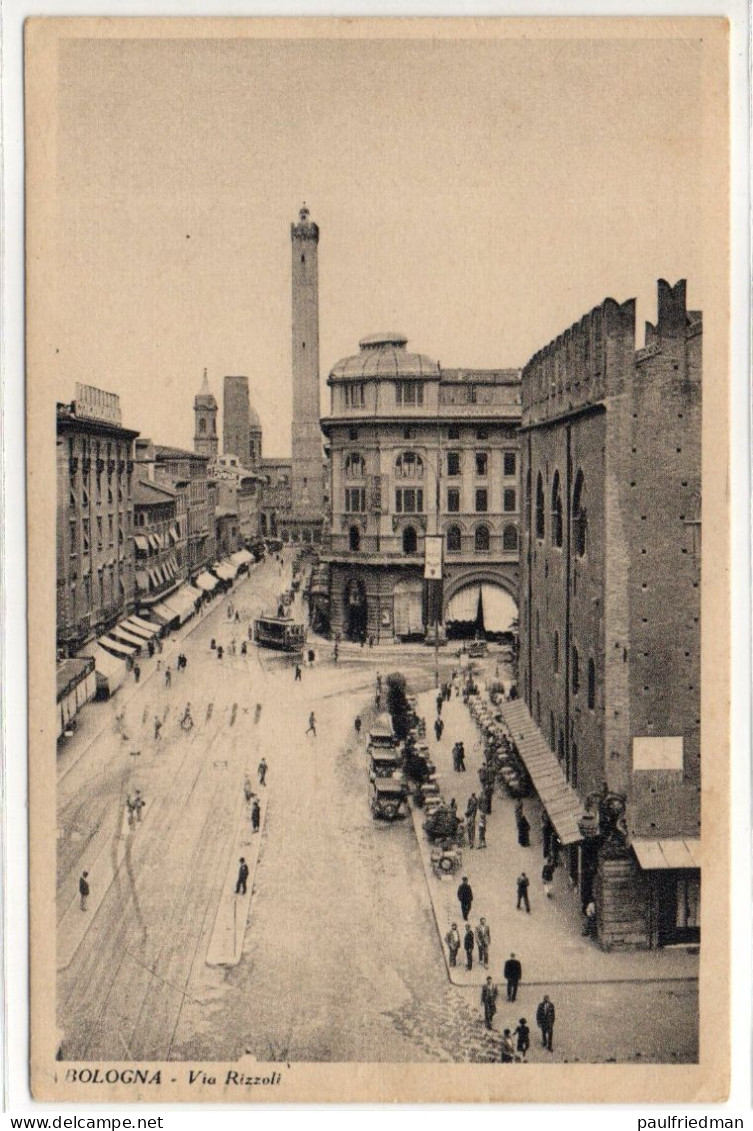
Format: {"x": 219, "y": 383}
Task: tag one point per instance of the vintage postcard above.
{"x": 377, "y": 386}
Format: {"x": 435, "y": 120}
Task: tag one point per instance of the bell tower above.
{"x": 205, "y": 440}
{"x": 306, "y": 439}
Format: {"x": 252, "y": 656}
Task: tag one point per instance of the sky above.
{"x": 477, "y": 196}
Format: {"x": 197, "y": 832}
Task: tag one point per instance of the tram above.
{"x": 279, "y": 632}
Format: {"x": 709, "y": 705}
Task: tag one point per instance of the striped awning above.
{"x": 141, "y": 627}
{"x": 122, "y": 632}
{"x": 676, "y": 852}
{"x": 557, "y": 795}
{"x": 116, "y": 646}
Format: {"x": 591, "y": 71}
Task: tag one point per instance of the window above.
{"x": 352, "y": 435}
{"x": 509, "y": 463}
{"x": 591, "y": 685}
{"x": 453, "y": 463}
{"x": 482, "y": 500}
{"x": 202, "y": 425}
{"x": 556, "y": 532}
{"x": 100, "y": 536}
{"x": 482, "y": 463}
{"x": 510, "y": 500}
{"x": 454, "y": 540}
{"x": 453, "y": 500}
{"x": 580, "y": 523}
{"x": 481, "y": 433}
{"x": 482, "y": 539}
{"x": 409, "y": 433}
{"x": 510, "y": 539}
{"x": 355, "y": 500}
{"x": 354, "y": 538}
{"x": 410, "y": 541}
{"x": 355, "y": 468}
{"x": 453, "y": 432}
{"x": 539, "y": 506}
{"x": 409, "y": 500}
{"x": 409, "y": 392}
{"x": 576, "y": 671}
{"x": 556, "y": 649}
{"x": 409, "y": 466}
{"x": 355, "y": 394}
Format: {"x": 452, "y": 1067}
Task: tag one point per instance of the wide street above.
{"x": 341, "y": 957}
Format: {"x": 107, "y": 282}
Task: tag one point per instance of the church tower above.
{"x": 307, "y": 446}
{"x": 205, "y": 441}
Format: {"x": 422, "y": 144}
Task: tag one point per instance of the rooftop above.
{"x": 161, "y": 452}
{"x": 147, "y": 492}
{"x": 384, "y": 356}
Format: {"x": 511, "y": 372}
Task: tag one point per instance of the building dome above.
{"x": 384, "y": 356}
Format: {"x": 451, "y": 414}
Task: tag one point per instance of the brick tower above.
{"x": 236, "y": 408}
{"x": 205, "y": 440}
{"x": 307, "y": 455}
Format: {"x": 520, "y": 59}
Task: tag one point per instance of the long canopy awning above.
{"x": 116, "y": 646}
{"x": 181, "y": 604}
{"x": 165, "y": 612}
{"x": 557, "y": 795}
{"x": 192, "y": 592}
{"x": 122, "y": 632}
{"x": 142, "y": 627}
{"x": 241, "y": 557}
{"x": 678, "y": 852}
{"x": 225, "y": 569}
{"x": 206, "y": 582}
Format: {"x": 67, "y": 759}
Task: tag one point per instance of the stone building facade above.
{"x": 610, "y": 602}
{"x": 415, "y": 453}
{"x": 239, "y": 491}
{"x": 95, "y": 470}
{"x": 156, "y": 540}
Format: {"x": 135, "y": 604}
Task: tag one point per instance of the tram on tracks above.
{"x": 282, "y": 633}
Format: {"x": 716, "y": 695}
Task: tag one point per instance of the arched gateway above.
{"x": 480, "y": 607}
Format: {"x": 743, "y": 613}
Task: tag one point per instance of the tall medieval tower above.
{"x": 307, "y": 472}
{"x": 205, "y": 440}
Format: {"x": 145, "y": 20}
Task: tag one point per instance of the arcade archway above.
{"x": 356, "y": 610}
{"x": 480, "y": 609}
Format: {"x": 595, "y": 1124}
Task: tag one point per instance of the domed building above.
{"x": 421, "y": 458}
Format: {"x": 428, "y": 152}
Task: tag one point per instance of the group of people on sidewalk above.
{"x": 516, "y": 1042}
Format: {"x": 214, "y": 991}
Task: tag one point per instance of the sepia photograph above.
{"x": 377, "y": 380}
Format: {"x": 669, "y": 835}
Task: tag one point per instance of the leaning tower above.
{"x": 307, "y": 455}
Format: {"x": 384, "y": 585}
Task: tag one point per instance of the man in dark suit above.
{"x": 512, "y": 973}
{"x": 240, "y": 887}
{"x": 489, "y": 1002}
{"x": 465, "y": 897}
{"x": 545, "y": 1022}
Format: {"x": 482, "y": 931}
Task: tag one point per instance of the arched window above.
{"x": 591, "y": 684}
{"x": 482, "y": 538}
{"x": 539, "y": 506}
{"x": 454, "y": 540}
{"x": 556, "y": 510}
{"x": 410, "y": 541}
{"x": 409, "y": 465}
{"x": 556, "y": 649}
{"x": 510, "y": 539}
{"x": 202, "y": 425}
{"x": 354, "y": 538}
{"x": 355, "y": 468}
{"x": 576, "y": 671}
{"x": 580, "y": 522}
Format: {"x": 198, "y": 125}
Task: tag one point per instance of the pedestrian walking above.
{"x": 523, "y": 1033}
{"x": 507, "y": 1051}
{"x": 378, "y": 700}
{"x": 547, "y": 874}
{"x": 469, "y": 942}
{"x": 512, "y": 973}
{"x": 248, "y": 792}
{"x": 311, "y": 729}
{"x": 524, "y": 832}
{"x": 168, "y": 677}
{"x": 470, "y": 825}
{"x": 138, "y": 805}
{"x": 83, "y": 889}
{"x": 262, "y": 771}
{"x": 489, "y": 994}
{"x": 255, "y": 815}
{"x": 157, "y": 727}
{"x": 440, "y": 700}
{"x": 297, "y": 673}
{"x": 357, "y": 727}
{"x": 523, "y": 883}
{"x": 482, "y": 830}
{"x": 438, "y": 728}
{"x": 471, "y": 806}
{"x": 136, "y": 673}
{"x": 240, "y": 886}
{"x": 465, "y": 897}
{"x": 220, "y": 651}
{"x": 545, "y": 1022}
{"x": 546, "y": 835}
{"x": 518, "y": 811}
{"x": 483, "y": 942}
{"x": 461, "y": 758}
{"x": 452, "y": 938}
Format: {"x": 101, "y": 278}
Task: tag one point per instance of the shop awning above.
{"x": 141, "y": 543}
{"x": 672, "y": 853}
{"x": 192, "y": 592}
{"x": 69, "y": 673}
{"x": 108, "y": 668}
{"x": 225, "y": 570}
{"x": 241, "y": 557}
{"x": 116, "y": 646}
{"x": 142, "y": 580}
{"x": 165, "y": 612}
{"x": 174, "y": 533}
{"x": 123, "y": 633}
{"x": 206, "y": 582}
{"x": 142, "y": 627}
{"x": 557, "y": 795}
{"x": 180, "y": 604}
{"x": 153, "y": 542}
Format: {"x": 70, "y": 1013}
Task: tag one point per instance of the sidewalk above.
{"x": 548, "y": 942}
{"x": 226, "y": 944}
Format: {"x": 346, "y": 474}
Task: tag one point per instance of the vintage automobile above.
{"x": 381, "y": 737}
{"x": 385, "y": 764}
{"x": 388, "y": 796}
